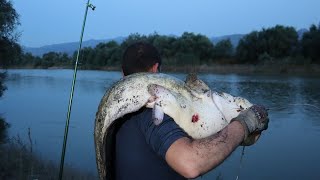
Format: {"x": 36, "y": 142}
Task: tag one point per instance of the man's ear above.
{"x": 154, "y": 68}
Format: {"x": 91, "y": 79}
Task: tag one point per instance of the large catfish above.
{"x": 197, "y": 109}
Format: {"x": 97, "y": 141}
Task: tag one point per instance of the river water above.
{"x": 290, "y": 149}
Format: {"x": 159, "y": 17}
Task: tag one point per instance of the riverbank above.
{"x": 18, "y": 160}
{"x": 244, "y": 69}
{"x": 250, "y": 69}
{"x": 274, "y": 69}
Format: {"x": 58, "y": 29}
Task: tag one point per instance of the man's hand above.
{"x": 254, "y": 120}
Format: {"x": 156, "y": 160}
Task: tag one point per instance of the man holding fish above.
{"x": 147, "y": 145}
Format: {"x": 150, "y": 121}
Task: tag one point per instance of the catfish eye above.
{"x": 209, "y": 93}
{"x": 205, "y": 90}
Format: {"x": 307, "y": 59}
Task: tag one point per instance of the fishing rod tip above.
{"x": 92, "y": 6}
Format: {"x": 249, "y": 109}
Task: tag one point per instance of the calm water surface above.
{"x": 290, "y": 149}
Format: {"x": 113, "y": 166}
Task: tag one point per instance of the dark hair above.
{"x": 139, "y": 57}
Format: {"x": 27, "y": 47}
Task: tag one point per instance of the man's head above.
{"x": 140, "y": 57}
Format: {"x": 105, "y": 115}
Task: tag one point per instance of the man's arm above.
{"x": 192, "y": 158}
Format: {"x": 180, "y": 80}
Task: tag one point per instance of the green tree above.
{"x": 3, "y": 124}
{"x": 223, "y": 49}
{"x": 165, "y": 46}
{"x": 132, "y": 38}
{"x": 279, "y": 41}
{"x": 10, "y": 52}
{"x": 3, "y": 128}
{"x": 107, "y": 54}
{"x": 9, "y": 49}
{"x": 192, "y": 49}
{"x": 2, "y": 86}
{"x": 247, "y": 49}
{"x": 49, "y": 59}
{"x": 9, "y": 19}
{"x": 311, "y": 44}
{"x": 276, "y": 42}
{"x": 87, "y": 55}
{"x": 26, "y": 59}
{"x": 65, "y": 60}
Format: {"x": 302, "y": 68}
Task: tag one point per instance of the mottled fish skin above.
{"x": 199, "y": 111}
{"x": 125, "y": 96}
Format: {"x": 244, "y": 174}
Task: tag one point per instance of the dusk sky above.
{"x": 59, "y": 21}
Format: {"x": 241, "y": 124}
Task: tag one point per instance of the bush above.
{"x": 3, "y": 130}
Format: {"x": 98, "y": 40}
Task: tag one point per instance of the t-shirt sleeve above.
{"x": 160, "y": 137}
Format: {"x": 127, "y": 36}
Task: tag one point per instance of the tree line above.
{"x": 277, "y": 44}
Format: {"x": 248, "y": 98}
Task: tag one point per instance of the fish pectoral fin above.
{"x": 164, "y": 98}
{"x": 157, "y": 114}
{"x": 150, "y": 104}
{"x": 151, "y": 101}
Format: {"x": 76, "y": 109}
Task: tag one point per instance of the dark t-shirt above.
{"x": 141, "y": 147}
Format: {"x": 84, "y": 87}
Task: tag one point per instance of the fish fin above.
{"x": 157, "y": 114}
{"x": 160, "y": 93}
{"x": 151, "y": 102}
{"x": 197, "y": 87}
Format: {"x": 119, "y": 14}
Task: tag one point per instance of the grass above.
{"x": 18, "y": 161}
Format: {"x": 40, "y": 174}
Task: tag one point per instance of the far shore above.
{"x": 249, "y": 69}
{"x": 272, "y": 69}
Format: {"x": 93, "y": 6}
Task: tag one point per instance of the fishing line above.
{"x": 277, "y": 108}
{"x": 88, "y": 5}
{"x": 240, "y": 165}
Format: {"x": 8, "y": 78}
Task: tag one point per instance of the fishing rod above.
{"x": 88, "y": 5}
